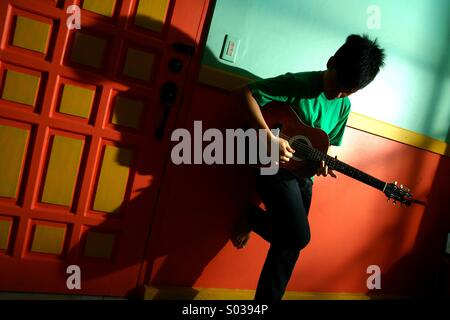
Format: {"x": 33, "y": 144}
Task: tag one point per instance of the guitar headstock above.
{"x": 398, "y": 193}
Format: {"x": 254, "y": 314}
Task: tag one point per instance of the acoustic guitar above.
{"x": 311, "y": 146}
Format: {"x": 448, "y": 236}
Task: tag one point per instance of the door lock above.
{"x": 168, "y": 96}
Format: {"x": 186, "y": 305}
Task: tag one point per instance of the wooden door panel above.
{"x": 78, "y": 113}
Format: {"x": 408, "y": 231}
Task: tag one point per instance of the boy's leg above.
{"x": 261, "y": 222}
{"x": 287, "y": 200}
{"x": 276, "y": 273}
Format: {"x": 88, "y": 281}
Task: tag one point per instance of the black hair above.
{"x": 357, "y": 61}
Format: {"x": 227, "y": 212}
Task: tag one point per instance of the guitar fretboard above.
{"x": 335, "y": 164}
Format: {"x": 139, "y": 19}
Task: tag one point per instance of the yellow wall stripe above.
{"x": 228, "y": 81}
{"x": 151, "y": 14}
{"x": 13, "y": 142}
{"x": 221, "y": 79}
{"x": 20, "y": 87}
{"x": 48, "y": 239}
{"x": 390, "y": 131}
{"x": 103, "y": 7}
{"x": 31, "y": 34}
{"x": 5, "y": 229}
{"x": 113, "y": 179}
{"x": 62, "y": 170}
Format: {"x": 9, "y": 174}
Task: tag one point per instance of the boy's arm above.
{"x": 336, "y": 140}
{"x": 250, "y": 109}
{"x": 253, "y": 115}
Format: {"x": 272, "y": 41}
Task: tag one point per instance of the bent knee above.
{"x": 302, "y": 241}
{"x": 296, "y": 241}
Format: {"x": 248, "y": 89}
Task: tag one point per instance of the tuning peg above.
{"x": 395, "y": 183}
{"x": 394, "y": 202}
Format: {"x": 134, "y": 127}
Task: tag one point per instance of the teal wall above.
{"x": 277, "y": 36}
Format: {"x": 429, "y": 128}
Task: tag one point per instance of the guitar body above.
{"x": 311, "y": 147}
{"x": 281, "y": 116}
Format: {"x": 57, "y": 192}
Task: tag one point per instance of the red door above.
{"x": 80, "y": 164}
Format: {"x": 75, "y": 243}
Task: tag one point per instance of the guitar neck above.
{"x": 335, "y": 164}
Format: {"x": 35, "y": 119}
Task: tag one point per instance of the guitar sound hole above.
{"x": 297, "y": 142}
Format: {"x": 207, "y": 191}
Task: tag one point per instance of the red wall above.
{"x": 352, "y": 225}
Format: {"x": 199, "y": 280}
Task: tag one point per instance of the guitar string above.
{"x": 317, "y": 153}
{"x": 303, "y": 147}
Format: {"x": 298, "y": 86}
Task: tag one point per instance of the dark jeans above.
{"x": 284, "y": 225}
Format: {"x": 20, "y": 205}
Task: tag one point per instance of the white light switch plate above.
{"x": 230, "y": 49}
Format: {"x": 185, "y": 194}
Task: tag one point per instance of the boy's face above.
{"x": 332, "y": 89}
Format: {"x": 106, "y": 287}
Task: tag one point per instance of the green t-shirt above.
{"x": 303, "y": 91}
